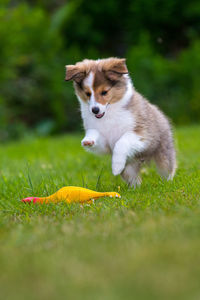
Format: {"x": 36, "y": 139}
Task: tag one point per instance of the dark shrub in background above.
{"x": 38, "y": 38}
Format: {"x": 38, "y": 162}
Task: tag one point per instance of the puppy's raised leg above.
{"x": 130, "y": 173}
{"x": 94, "y": 142}
{"x": 126, "y": 147}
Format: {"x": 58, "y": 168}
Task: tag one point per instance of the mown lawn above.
{"x": 145, "y": 245}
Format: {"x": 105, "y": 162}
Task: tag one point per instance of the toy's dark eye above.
{"x": 88, "y": 94}
{"x": 103, "y": 93}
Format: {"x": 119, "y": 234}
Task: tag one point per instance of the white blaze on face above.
{"x": 89, "y": 80}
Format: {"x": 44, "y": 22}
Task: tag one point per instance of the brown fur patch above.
{"x": 114, "y": 90}
{"x": 75, "y": 73}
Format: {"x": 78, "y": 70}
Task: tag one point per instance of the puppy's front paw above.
{"x": 117, "y": 168}
{"x": 87, "y": 143}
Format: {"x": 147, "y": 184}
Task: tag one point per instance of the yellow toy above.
{"x": 71, "y": 194}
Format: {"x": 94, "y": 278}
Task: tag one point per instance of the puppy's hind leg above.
{"x": 165, "y": 159}
{"x": 130, "y": 173}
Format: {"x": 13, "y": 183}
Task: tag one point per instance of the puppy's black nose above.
{"x": 95, "y": 110}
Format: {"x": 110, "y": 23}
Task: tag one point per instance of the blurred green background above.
{"x": 160, "y": 39}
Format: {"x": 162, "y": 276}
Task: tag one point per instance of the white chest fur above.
{"x": 112, "y": 126}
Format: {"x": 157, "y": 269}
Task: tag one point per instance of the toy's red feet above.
{"x": 30, "y": 199}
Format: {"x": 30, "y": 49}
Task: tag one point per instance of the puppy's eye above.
{"x": 103, "y": 93}
{"x": 88, "y": 94}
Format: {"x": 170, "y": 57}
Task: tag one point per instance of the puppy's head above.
{"x": 99, "y": 83}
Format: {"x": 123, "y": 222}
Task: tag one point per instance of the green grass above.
{"x": 145, "y": 245}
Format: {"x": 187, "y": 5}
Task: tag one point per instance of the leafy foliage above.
{"x": 38, "y": 38}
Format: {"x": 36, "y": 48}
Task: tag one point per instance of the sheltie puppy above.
{"x": 120, "y": 121}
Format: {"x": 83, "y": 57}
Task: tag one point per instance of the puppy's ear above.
{"x": 74, "y": 73}
{"x": 115, "y": 67}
